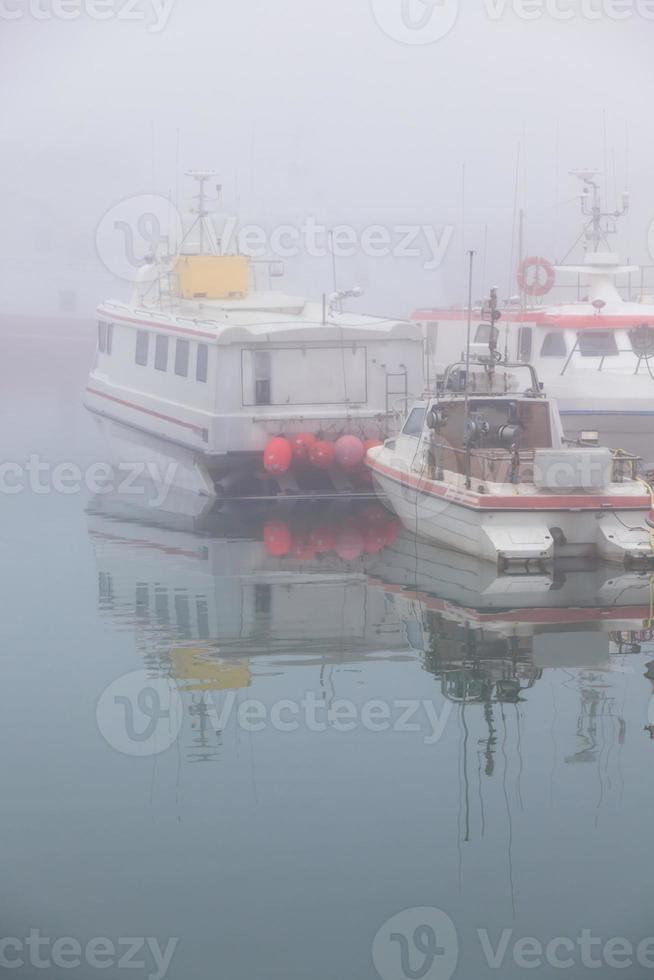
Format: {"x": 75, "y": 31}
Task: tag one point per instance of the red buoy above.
{"x": 321, "y": 454}
{"x": 301, "y": 446}
{"x": 349, "y": 451}
{"x": 277, "y": 456}
{"x": 277, "y": 539}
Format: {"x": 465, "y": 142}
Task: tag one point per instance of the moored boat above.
{"x": 595, "y": 354}
{"x": 483, "y": 467}
{"x": 205, "y": 375}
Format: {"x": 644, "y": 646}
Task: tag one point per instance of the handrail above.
{"x": 619, "y": 457}
{"x": 639, "y": 355}
{"x": 535, "y": 388}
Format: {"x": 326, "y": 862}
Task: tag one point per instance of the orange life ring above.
{"x": 536, "y": 284}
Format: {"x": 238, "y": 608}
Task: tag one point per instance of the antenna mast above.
{"x": 202, "y": 211}
{"x": 598, "y": 227}
{"x": 471, "y": 262}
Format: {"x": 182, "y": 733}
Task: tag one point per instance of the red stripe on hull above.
{"x": 146, "y": 411}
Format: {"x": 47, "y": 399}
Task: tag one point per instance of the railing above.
{"x": 503, "y": 466}
{"x": 493, "y": 465}
{"x": 626, "y": 466}
{"x": 640, "y": 357}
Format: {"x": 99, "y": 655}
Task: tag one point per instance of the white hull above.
{"x": 501, "y": 535}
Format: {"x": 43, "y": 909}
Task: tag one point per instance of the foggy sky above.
{"x": 309, "y": 108}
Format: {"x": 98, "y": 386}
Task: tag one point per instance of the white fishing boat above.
{"x": 595, "y": 355}
{"x": 204, "y": 370}
{"x": 482, "y": 467}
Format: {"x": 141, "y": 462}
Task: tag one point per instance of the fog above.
{"x": 314, "y": 111}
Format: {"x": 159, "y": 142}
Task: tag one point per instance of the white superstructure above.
{"x": 203, "y": 368}
{"x": 595, "y": 355}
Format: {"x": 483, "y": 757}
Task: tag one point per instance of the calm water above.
{"x": 268, "y": 756}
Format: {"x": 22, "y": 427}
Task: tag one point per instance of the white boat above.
{"x": 595, "y": 355}
{"x": 203, "y": 368}
{"x": 482, "y": 467}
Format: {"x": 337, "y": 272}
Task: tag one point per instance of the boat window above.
{"x": 161, "y": 353}
{"x": 598, "y": 343}
{"x": 181, "y": 358}
{"x": 524, "y": 344}
{"x": 642, "y": 339}
{"x": 262, "y": 389}
{"x": 202, "y": 362}
{"x": 142, "y": 345}
{"x": 485, "y": 332}
{"x": 554, "y": 345}
{"x": 110, "y": 337}
{"x": 415, "y": 422}
{"x": 102, "y": 337}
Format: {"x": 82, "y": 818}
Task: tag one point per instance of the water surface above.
{"x": 359, "y": 728}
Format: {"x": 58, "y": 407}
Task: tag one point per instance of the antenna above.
{"x": 201, "y": 210}
{"x": 177, "y": 147}
{"x": 333, "y": 253}
{"x": 597, "y": 228}
{"x": 337, "y": 297}
{"x": 471, "y": 262}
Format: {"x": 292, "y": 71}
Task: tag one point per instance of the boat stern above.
{"x": 513, "y": 546}
{"x": 625, "y": 537}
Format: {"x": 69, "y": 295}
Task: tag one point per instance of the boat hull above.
{"x": 515, "y": 531}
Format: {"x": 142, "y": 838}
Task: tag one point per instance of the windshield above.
{"x": 597, "y": 343}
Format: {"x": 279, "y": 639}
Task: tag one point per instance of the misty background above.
{"x": 310, "y": 109}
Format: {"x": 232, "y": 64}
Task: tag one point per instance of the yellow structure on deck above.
{"x": 199, "y": 669}
{"x": 212, "y": 276}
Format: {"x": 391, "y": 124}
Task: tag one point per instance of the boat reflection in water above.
{"x": 258, "y": 590}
